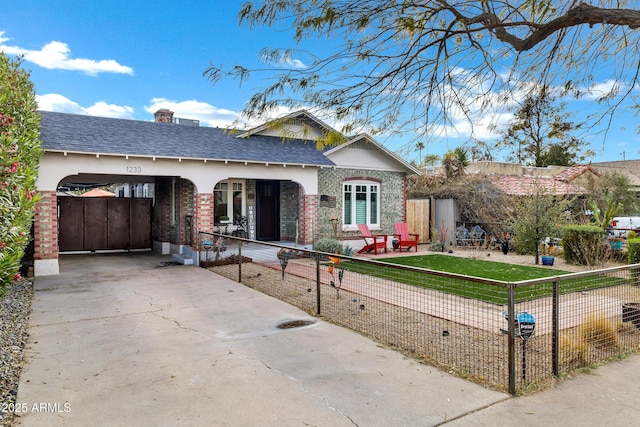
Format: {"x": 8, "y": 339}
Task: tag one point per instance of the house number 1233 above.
{"x": 134, "y": 169}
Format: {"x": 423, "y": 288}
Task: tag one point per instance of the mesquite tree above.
{"x": 419, "y": 67}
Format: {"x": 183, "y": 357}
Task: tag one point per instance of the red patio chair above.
{"x": 404, "y": 238}
{"x": 372, "y": 242}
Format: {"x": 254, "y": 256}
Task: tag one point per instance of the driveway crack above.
{"x": 298, "y": 383}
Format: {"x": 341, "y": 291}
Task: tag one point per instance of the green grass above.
{"x": 477, "y": 268}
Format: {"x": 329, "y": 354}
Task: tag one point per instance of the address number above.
{"x": 134, "y": 169}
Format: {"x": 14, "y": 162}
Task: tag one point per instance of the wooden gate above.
{"x": 89, "y": 224}
{"x": 419, "y": 218}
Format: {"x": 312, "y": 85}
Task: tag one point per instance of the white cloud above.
{"x": 193, "y": 109}
{"x": 605, "y": 88}
{"x": 56, "y": 55}
{"x": 62, "y": 104}
{"x": 103, "y": 109}
{"x": 295, "y": 63}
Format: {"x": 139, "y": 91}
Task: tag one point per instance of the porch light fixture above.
{"x": 97, "y": 156}
{"x": 266, "y": 164}
{"x": 284, "y": 165}
{"x": 126, "y": 157}
{"x": 179, "y": 159}
{"x": 153, "y": 158}
{"x": 226, "y": 162}
{"x": 64, "y": 154}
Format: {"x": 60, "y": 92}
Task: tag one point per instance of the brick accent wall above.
{"x": 308, "y": 218}
{"x": 203, "y": 218}
{"x": 393, "y": 187}
{"x": 45, "y": 232}
{"x": 161, "y": 225}
{"x": 185, "y": 197}
{"x": 170, "y": 222}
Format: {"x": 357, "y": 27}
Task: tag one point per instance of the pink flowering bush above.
{"x": 20, "y": 154}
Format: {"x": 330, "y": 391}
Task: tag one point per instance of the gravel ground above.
{"x": 15, "y": 308}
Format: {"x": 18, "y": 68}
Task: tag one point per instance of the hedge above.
{"x": 20, "y": 153}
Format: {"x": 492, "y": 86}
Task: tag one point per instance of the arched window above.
{"x": 360, "y": 204}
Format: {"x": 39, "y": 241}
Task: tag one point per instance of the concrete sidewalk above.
{"x": 121, "y": 339}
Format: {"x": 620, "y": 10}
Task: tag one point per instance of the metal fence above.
{"x": 506, "y": 336}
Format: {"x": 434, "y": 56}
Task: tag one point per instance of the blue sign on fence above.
{"x": 526, "y": 324}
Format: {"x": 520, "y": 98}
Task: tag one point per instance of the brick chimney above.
{"x": 163, "y": 115}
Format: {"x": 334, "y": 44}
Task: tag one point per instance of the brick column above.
{"x": 308, "y": 218}
{"x": 185, "y": 196}
{"x": 203, "y": 215}
{"x": 45, "y": 235}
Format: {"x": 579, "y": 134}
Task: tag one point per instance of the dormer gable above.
{"x": 299, "y": 125}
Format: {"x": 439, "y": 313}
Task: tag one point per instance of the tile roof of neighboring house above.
{"x": 574, "y": 171}
{"x": 90, "y": 134}
{"x": 524, "y": 185}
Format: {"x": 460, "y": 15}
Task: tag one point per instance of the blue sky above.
{"x": 127, "y": 59}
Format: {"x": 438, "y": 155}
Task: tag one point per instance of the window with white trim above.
{"x": 361, "y": 204}
{"x": 228, "y": 200}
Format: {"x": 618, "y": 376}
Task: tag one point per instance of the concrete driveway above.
{"x": 126, "y": 340}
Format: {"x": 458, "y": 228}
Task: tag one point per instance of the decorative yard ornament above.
{"x": 284, "y": 255}
{"x": 335, "y": 263}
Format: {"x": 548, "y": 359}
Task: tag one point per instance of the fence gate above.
{"x": 89, "y": 224}
{"x": 418, "y": 218}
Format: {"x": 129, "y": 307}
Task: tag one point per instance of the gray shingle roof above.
{"x": 90, "y": 134}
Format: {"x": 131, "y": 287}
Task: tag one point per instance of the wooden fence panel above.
{"x": 418, "y": 215}
{"x": 89, "y": 224}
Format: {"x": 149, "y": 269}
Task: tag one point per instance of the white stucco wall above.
{"x": 56, "y": 166}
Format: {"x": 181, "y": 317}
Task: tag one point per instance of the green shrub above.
{"x": 20, "y": 153}
{"x": 329, "y": 245}
{"x": 631, "y": 235}
{"x": 347, "y": 250}
{"x": 583, "y": 244}
{"x": 633, "y": 247}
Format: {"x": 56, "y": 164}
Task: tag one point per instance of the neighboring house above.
{"x": 568, "y": 181}
{"x": 197, "y": 177}
{"x": 512, "y": 179}
{"x": 629, "y": 168}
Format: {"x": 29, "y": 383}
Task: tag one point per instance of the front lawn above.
{"x": 476, "y": 268}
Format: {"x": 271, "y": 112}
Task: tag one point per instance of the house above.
{"x": 198, "y": 177}
{"x": 628, "y": 168}
{"x": 514, "y": 180}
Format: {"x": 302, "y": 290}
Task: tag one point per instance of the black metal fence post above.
{"x": 318, "y": 284}
{"x": 512, "y": 338}
{"x": 239, "y": 261}
{"x": 555, "y": 324}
